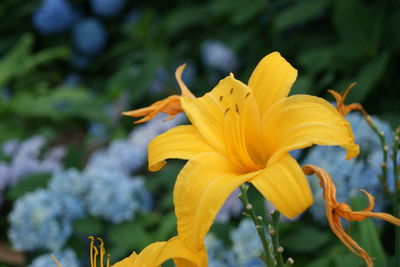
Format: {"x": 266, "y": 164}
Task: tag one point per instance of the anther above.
{"x": 231, "y": 92}
{"x": 237, "y": 108}
{"x": 247, "y": 95}
{"x": 220, "y": 98}
{"x": 226, "y": 111}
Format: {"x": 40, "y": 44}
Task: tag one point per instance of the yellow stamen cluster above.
{"x": 94, "y": 252}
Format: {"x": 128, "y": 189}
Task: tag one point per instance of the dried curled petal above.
{"x": 170, "y": 105}
{"x": 335, "y": 211}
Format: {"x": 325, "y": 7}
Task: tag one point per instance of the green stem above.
{"x": 275, "y": 237}
{"x": 396, "y": 203}
{"x": 267, "y": 257}
{"x": 385, "y": 150}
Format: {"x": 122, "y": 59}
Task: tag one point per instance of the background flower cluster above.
{"x": 71, "y": 166}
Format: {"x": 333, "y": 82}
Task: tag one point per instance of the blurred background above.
{"x": 71, "y": 166}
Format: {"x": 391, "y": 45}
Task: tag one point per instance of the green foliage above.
{"x": 331, "y": 42}
{"x": 28, "y": 184}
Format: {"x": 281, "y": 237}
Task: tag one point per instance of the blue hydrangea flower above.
{"x": 245, "y": 242}
{"x": 70, "y": 186}
{"x": 141, "y": 136}
{"x": 26, "y": 158}
{"x": 112, "y": 195}
{"x": 106, "y": 8}
{"x": 159, "y": 82}
{"x": 352, "y": 175}
{"x": 218, "y": 255}
{"x": 232, "y": 207}
{"x": 65, "y": 257}
{"x": 218, "y": 56}
{"x": 10, "y": 147}
{"x": 53, "y": 16}
{"x": 38, "y": 221}
{"x": 89, "y": 36}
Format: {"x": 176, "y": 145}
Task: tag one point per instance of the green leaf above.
{"x": 19, "y": 60}
{"x": 167, "y": 227}
{"x": 300, "y": 12}
{"x": 185, "y": 17}
{"x": 367, "y": 79}
{"x": 367, "y": 234}
{"x": 358, "y": 26}
{"x": 88, "y": 226}
{"x": 58, "y": 104}
{"x": 130, "y": 234}
{"x": 28, "y": 184}
{"x": 305, "y": 239}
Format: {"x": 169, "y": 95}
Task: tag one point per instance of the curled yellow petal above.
{"x": 181, "y": 142}
{"x": 283, "y": 183}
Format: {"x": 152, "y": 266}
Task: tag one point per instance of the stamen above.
{"x": 54, "y": 258}
{"x": 231, "y": 92}
{"x": 247, "y": 95}
{"x": 220, "y": 98}
{"x": 93, "y": 253}
{"x": 91, "y": 250}
{"x": 237, "y": 108}
{"x": 102, "y": 252}
{"x": 226, "y": 111}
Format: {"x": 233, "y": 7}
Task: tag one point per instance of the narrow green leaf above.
{"x": 300, "y": 12}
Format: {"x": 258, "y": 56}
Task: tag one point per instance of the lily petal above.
{"x": 181, "y": 142}
{"x": 300, "y": 121}
{"x": 283, "y": 183}
{"x": 202, "y": 187}
{"x": 271, "y": 80}
{"x": 157, "y": 253}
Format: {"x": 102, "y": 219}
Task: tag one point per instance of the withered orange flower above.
{"x": 340, "y": 98}
{"x": 334, "y": 211}
{"x": 170, "y": 105}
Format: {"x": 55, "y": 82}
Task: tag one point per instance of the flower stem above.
{"x": 275, "y": 237}
{"x": 396, "y": 202}
{"x": 385, "y": 150}
{"x": 267, "y": 256}
{"x": 272, "y": 255}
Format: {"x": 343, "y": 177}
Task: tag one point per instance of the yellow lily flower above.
{"x": 152, "y": 256}
{"x": 243, "y": 133}
{"x": 157, "y": 253}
